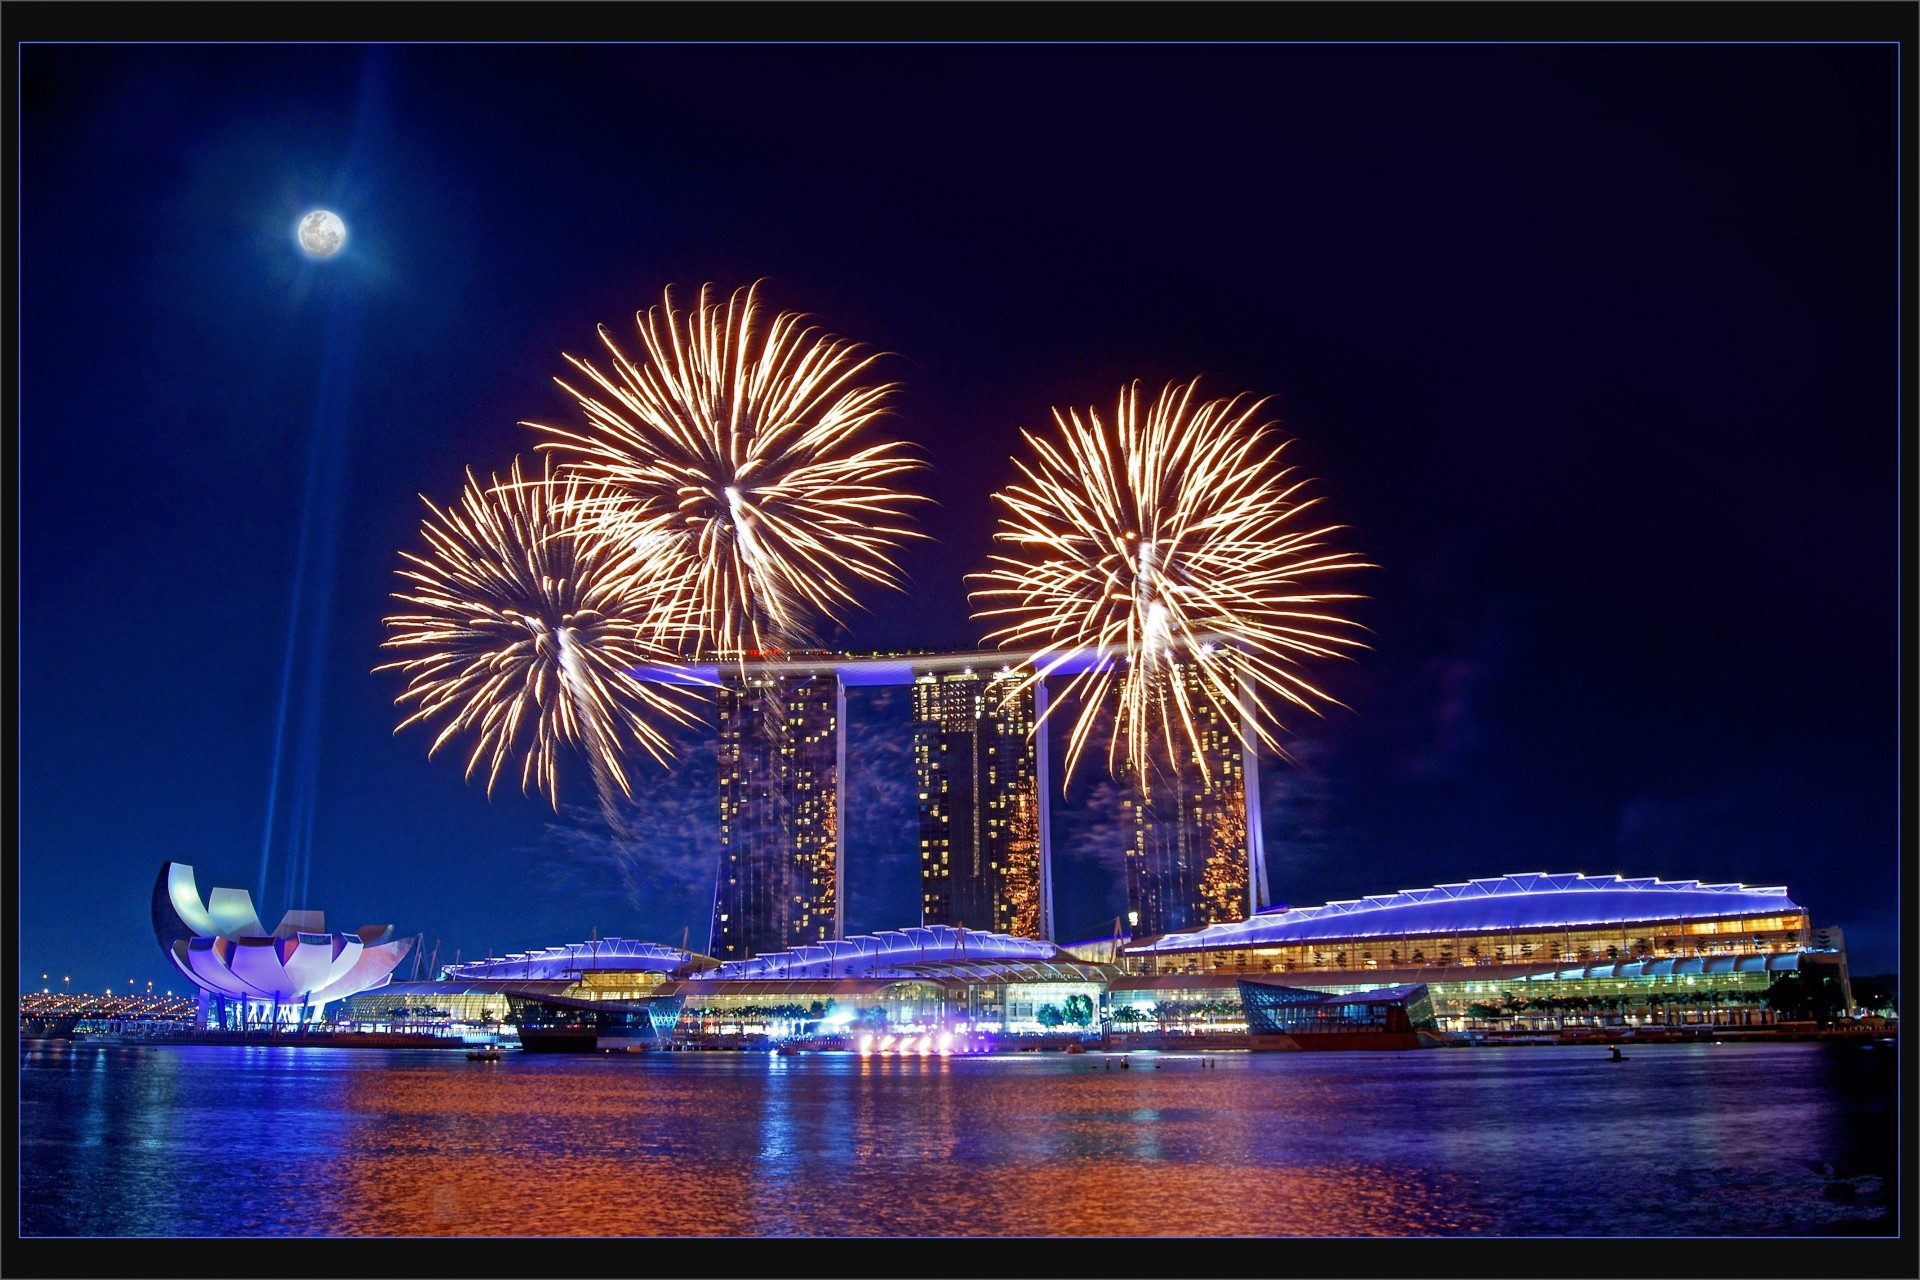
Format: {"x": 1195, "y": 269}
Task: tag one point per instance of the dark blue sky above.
{"x": 1593, "y": 347}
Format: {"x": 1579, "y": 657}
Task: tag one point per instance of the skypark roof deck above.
{"x": 874, "y": 669}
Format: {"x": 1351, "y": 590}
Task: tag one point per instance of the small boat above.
{"x": 483, "y": 1055}
{"x": 1076, "y": 1048}
{"x": 1617, "y": 1056}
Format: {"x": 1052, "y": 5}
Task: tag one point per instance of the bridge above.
{"x": 83, "y": 1006}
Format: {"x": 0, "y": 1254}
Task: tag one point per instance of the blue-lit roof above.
{"x": 852, "y": 957}
{"x": 1516, "y": 902}
{"x": 624, "y": 955}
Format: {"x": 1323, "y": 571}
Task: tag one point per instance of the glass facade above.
{"x": 1506, "y": 1001}
{"x": 445, "y": 1008}
{"x": 1195, "y": 1009}
{"x": 802, "y": 1008}
{"x": 1276, "y": 1010}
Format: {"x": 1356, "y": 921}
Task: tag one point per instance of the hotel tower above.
{"x": 1189, "y": 851}
{"x": 782, "y": 756}
{"x": 982, "y": 809}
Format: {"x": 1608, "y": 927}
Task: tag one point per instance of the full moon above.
{"x": 322, "y": 233}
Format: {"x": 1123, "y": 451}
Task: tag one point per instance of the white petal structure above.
{"x": 222, "y": 948}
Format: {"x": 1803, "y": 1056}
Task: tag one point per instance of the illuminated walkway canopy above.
{"x": 863, "y": 953}
{"x": 624, "y": 955}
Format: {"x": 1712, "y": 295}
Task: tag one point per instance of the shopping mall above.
{"x": 1512, "y": 951}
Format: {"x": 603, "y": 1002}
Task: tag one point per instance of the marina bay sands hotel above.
{"x": 1194, "y": 855}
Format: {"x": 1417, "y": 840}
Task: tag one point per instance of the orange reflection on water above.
{"x": 1525, "y": 1141}
{"x": 864, "y": 1146}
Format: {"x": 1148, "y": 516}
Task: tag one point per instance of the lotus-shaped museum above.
{"x": 278, "y": 975}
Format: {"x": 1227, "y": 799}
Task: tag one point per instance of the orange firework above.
{"x": 734, "y": 462}
{"x": 1170, "y": 537}
{"x": 527, "y": 636}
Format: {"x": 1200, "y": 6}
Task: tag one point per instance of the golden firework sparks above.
{"x": 527, "y": 636}
{"x": 739, "y": 454}
{"x": 1171, "y": 537}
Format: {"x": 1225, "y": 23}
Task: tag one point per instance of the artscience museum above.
{"x": 250, "y": 976}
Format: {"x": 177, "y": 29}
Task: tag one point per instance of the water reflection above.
{"x": 1686, "y": 1140}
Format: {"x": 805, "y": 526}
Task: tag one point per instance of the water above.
{"x": 1681, "y": 1140}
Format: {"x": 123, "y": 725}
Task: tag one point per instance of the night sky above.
{"x": 1593, "y": 348}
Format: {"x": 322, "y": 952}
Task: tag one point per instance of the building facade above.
{"x": 782, "y": 759}
{"x": 1188, "y": 854}
{"x": 981, "y": 807}
{"x": 1518, "y": 950}
{"x": 967, "y": 985}
{"x": 1508, "y": 955}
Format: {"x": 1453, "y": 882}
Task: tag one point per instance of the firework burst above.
{"x": 734, "y": 451}
{"x": 524, "y": 635}
{"x": 1169, "y": 542}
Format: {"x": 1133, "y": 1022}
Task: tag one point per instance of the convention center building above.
{"x": 1516, "y": 950}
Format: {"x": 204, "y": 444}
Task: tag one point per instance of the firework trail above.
{"x": 525, "y": 635}
{"x": 1170, "y": 543}
{"x": 733, "y": 451}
